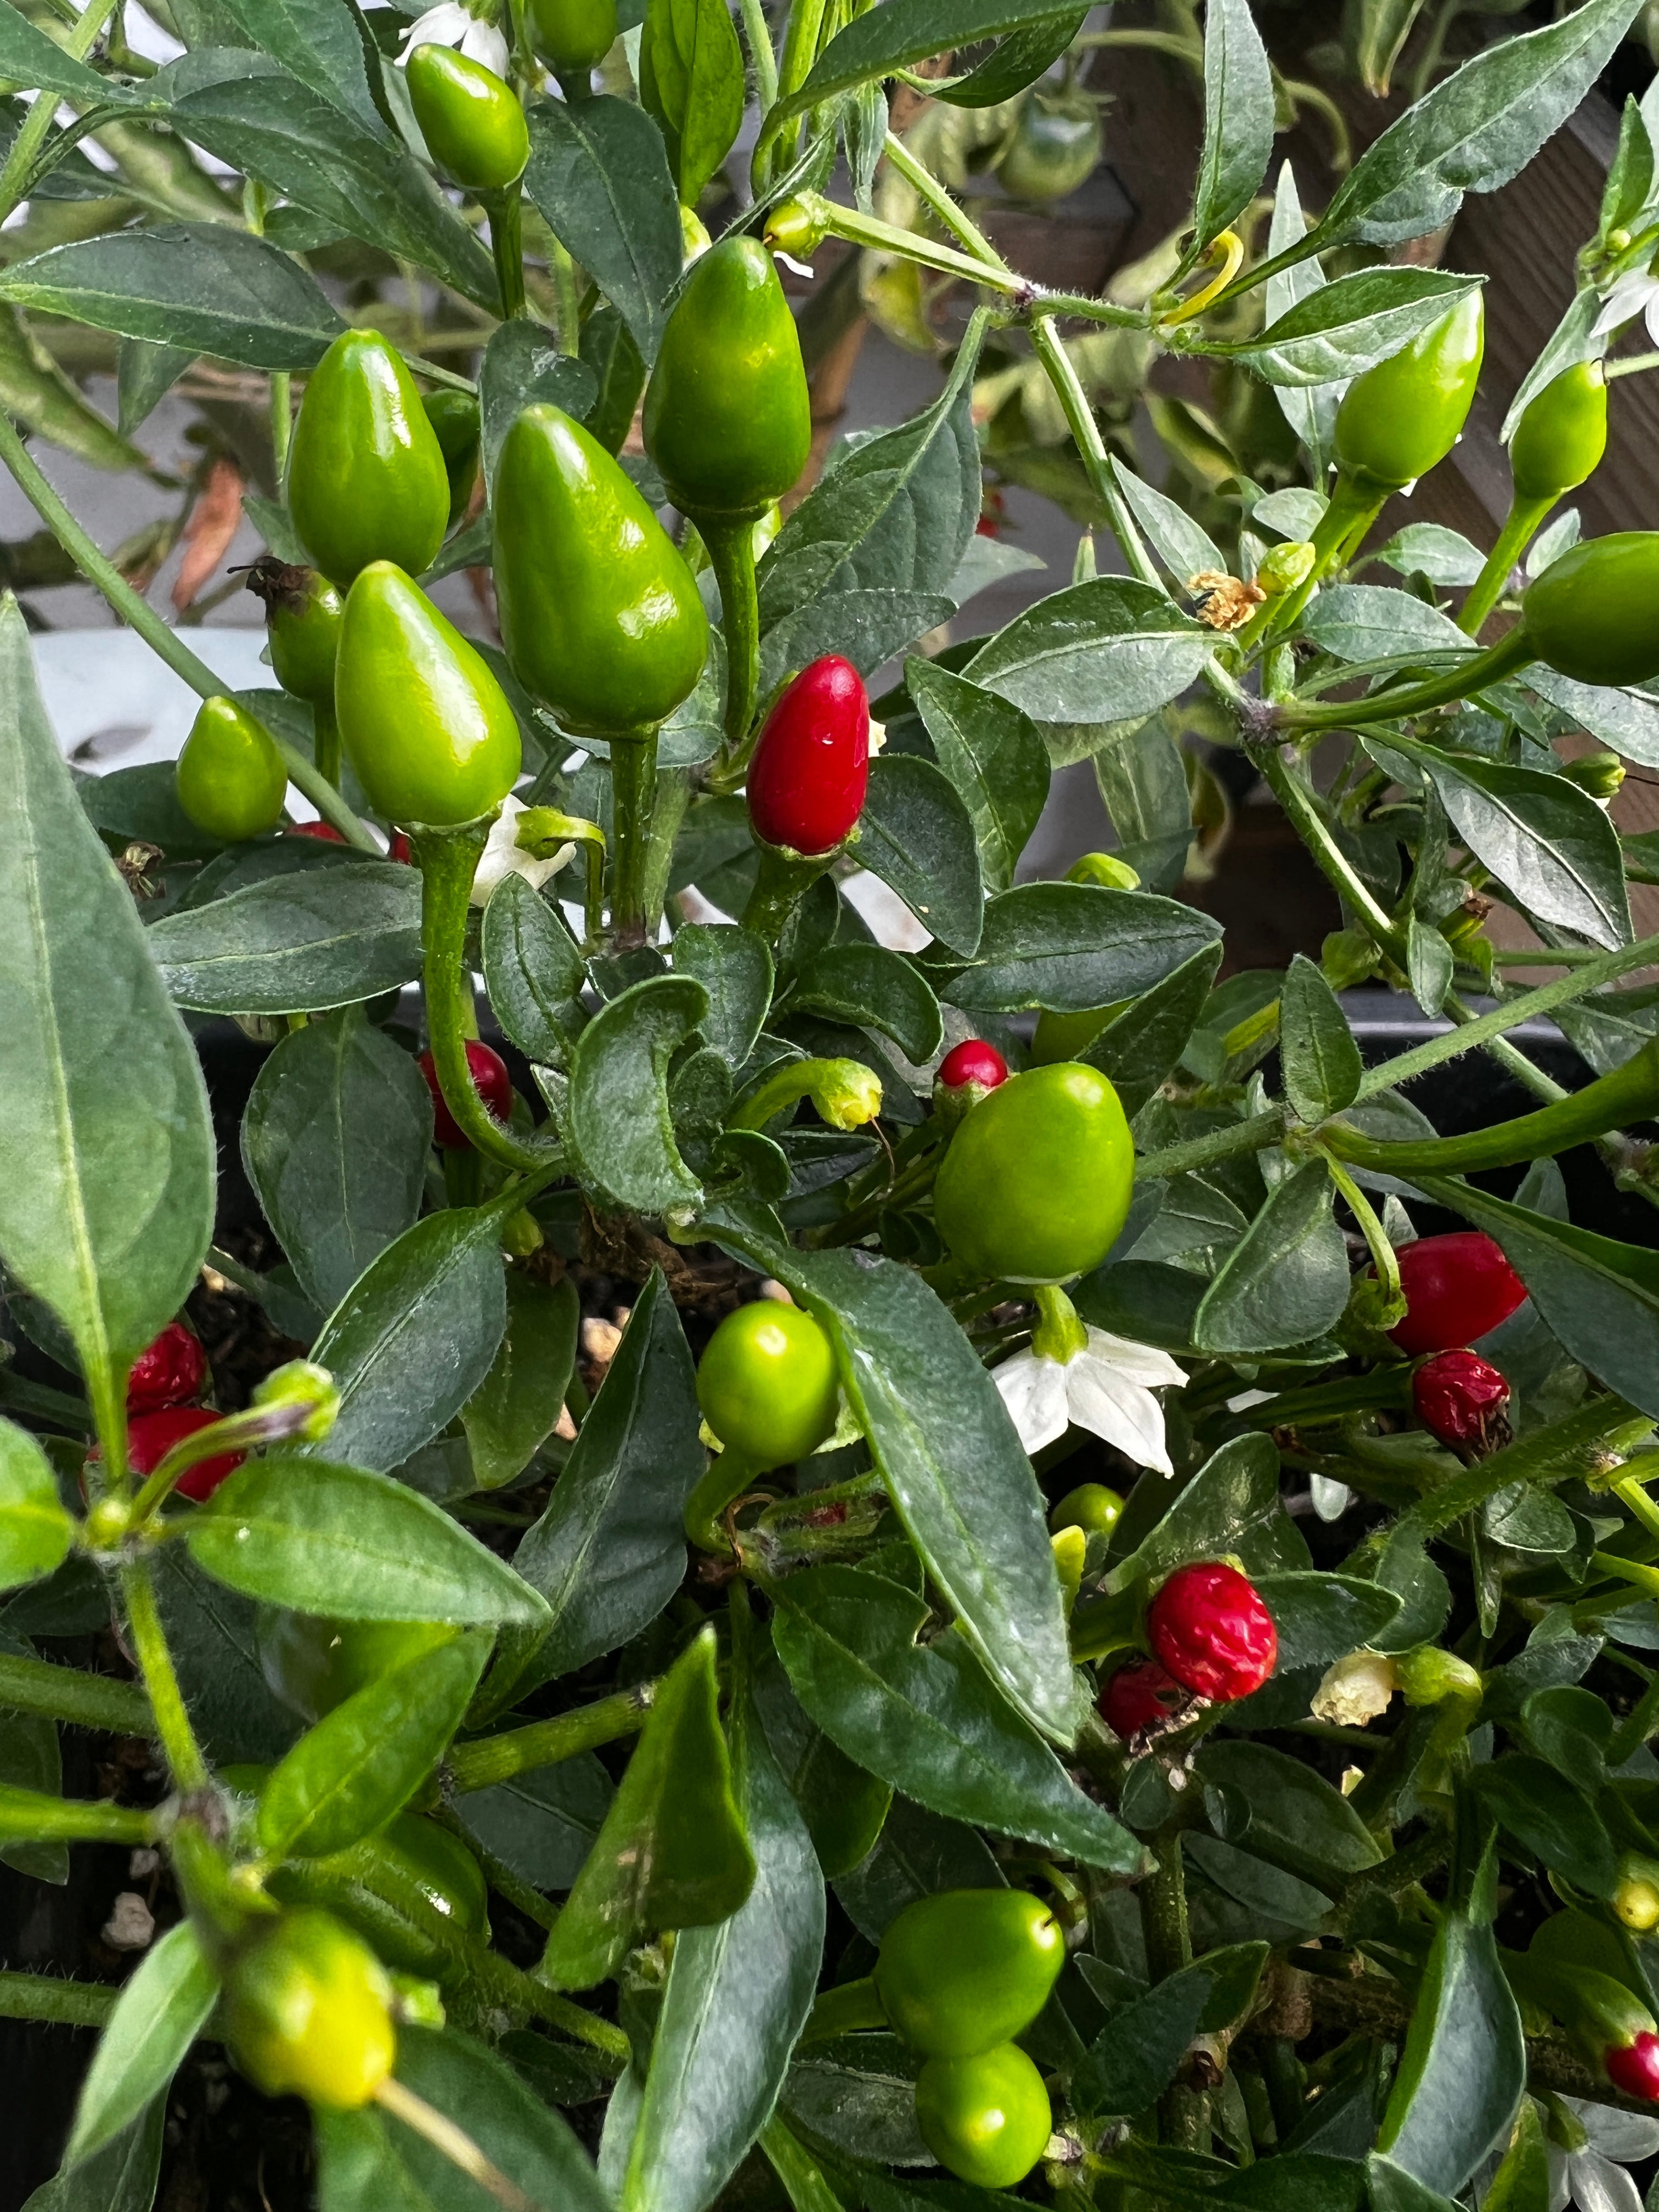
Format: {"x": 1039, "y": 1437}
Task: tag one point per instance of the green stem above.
{"x": 1514, "y": 650}
{"x": 138, "y": 615}
{"x": 1169, "y": 1948}
{"x": 1383, "y": 1257}
{"x": 1298, "y": 802}
{"x": 33, "y": 1816}
{"x": 64, "y": 1693}
{"x": 1252, "y": 1135}
{"x": 955, "y": 219}
{"x": 567, "y": 301}
{"x": 326, "y": 742}
{"x": 506, "y": 212}
{"x": 57, "y": 2004}
{"x": 36, "y": 125}
{"x": 845, "y": 2009}
{"x": 1633, "y": 364}
{"x": 800, "y": 47}
{"x": 149, "y": 1645}
{"x": 761, "y": 59}
{"x": 1630, "y": 1492}
{"x": 727, "y": 1476}
{"x": 282, "y": 422}
{"x": 492, "y": 1758}
{"x": 448, "y": 861}
{"x": 731, "y": 543}
{"x": 634, "y": 793}
{"x": 1353, "y": 508}
{"x": 1524, "y": 517}
{"x": 1636, "y": 1728}
{"x": 1572, "y": 1445}
{"x": 1097, "y": 461}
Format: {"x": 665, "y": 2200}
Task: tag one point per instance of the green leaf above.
{"x": 1138, "y": 2053}
{"x": 619, "y": 1120}
{"x": 120, "y": 2177}
{"x": 869, "y": 987}
{"x": 1185, "y": 549}
{"x": 906, "y": 31}
{"x": 1521, "y": 2183}
{"x": 515, "y": 1408}
{"x": 866, "y": 627}
{"x": 319, "y": 42}
{"x": 608, "y": 348}
{"x": 351, "y": 1546}
{"x": 918, "y": 837}
{"x": 1073, "y": 947}
{"x": 734, "y": 966}
{"x": 1384, "y": 27}
{"x": 1310, "y": 411}
{"x": 1626, "y": 720}
{"x": 334, "y": 1140}
{"x": 736, "y": 1998}
{"x": 1322, "y": 1617}
{"x": 1348, "y": 324}
{"x": 608, "y": 1552}
{"x": 28, "y": 56}
{"x": 992, "y": 753}
{"x": 213, "y": 1635}
{"x": 916, "y": 1854}
{"x": 690, "y": 77}
{"x": 199, "y": 286}
{"x": 1320, "y": 1060}
{"x": 1144, "y": 1045}
{"x": 415, "y": 1336}
{"x": 1550, "y": 1819}
{"x": 1286, "y": 1281}
{"x": 159, "y": 2014}
{"x": 533, "y": 972}
{"x": 1464, "y": 2066}
{"x": 107, "y": 1154}
{"x": 926, "y": 1718}
{"x": 1297, "y": 1819}
{"x": 1231, "y": 1504}
{"x": 363, "y": 1762}
{"x": 542, "y": 1824}
{"x": 1238, "y": 119}
{"x": 845, "y": 1810}
{"x": 298, "y": 944}
{"x": 1432, "y": 965}
{"x": 1105, "y": 651}
{"x": 1374, "y": 621}
{"x": 35, "y": 1531}
{"x": 599, "y": 176}
{"x": 672, "y": 1852}
{"x": 523, "y": 367}
{"x": 859, "y": 2094}
{"x": 1446, "y": 556}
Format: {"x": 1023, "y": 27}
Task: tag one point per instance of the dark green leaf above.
{"x": 734, "y": 966}
{"x": 873, "y": 989}
{"x": 608, "y": 348}
{"x": 690, "y": 77}
{"x": 844, "y": 1808}
{"x": 1287, "y": 1280}
{"x": 918, "y": 837}
{"x": 1186, "y": 550}
{"x": 1104, "y": 651}
{"x": 1320, "y": 1618}
{"x": 1136, "y": 2054}
{"x": 1549, "y": 1817}
{"x": 542, "y": 1824}
{"x": 523, "y": 367}
{"x": 121, "y": 2177}
{"x": 1227, "y": 1507}
{"x": 1238, "y": 119}
{"x": 28, "y": 56}
{"x": 1349, "y": 325}
{"x": 619, "y": 1121}
{"x": 916, "y": 1854}
{"x": 599, "y": 175}
{"x": 865, "y": 626}
{"x": 35, "y": 1531}
{"x": 302, "y": 944}
{"x": 1141, "y": 1048}
{"x": 213, "y": 1635}
{"x": 515, "y": 1409}
{"x": 859, "y": 2092}
{"x": 319, "y": 42}
{"x": 907, "y": 30}
{"x": 532, "y": 972}
{"x": 158, "y": 2015}
{"x": 1296, "y": 1818}
{"x": 1017, "y": 61}
{"x": 992, "y": 753}
{"x": 1320, "y": 1060}
{"x": 1073, "y": 947}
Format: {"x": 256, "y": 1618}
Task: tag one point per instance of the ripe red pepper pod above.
{"x": 1633, "y": 2067}
{"x": 167, "y": 1372}
{"x": 1457, "y": 1288}
{"x": 1460, "y": 1398}
{"x": 1139, "y": 1695}
{"x": 973, "y": 1064}
{"x": 324, "y": 832}
{"x": 489, "y": 1079}
{"x": 811, "y": 766}
{"x": 1209, "y": 1630}
{"x": 151, "y": 1437}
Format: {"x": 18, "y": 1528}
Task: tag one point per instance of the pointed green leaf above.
{"x": 35, "y": 1531}
{"x": 159, "y": 2014}
{"x": 1286, "y": 1281}
{"x": 1320, "y": 1060}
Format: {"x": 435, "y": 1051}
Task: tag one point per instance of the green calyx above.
{"x": 472, "y": 123}
{"x": 599, "y": 615}
{"x": 1562, "y": 435}
{"x": 428, "y": 729}
{"x": 230, "y": 778}
{"x": 1403, "y": 415}
{"x": 573, "y": 37}
{"x": 367, "y": 480}
{"x": 727, "y": 416}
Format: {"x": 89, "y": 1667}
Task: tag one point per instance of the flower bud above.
{"x": 300, "y": 1399}
{"x": 1283, "y": 567}
{"x": 1600, "y": 773}
{"x": 1356, "y": 1689}
{"x": 1104, "y": 868}
{"x": 1428, "y": 1675}
{"x": 796, "y": 227}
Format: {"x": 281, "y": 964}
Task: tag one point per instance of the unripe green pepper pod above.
{"x": 573, "y": 37}
{"x": 461, "y": 437}
{"x": 1036, "y": 1185}
{"x": 230, "y": 778}
{"x": 1636, "y": 1899}
{"x": 472, "y": 123}
{"x": 367, "y": 480}
{"x": 428, "y": 729}
{"x": 303, "y": 617}
{"x": 1562, "y": 435}
{"x": 1593, "y": 614}
{"x": 307, "y": 2009}
{"x": 1402, "y": 417}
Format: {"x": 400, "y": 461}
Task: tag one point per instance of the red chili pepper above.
{"x": 489, "y": 1079}
{"x": 167, "y": 1372}
{"x": 811, "y": 766}
{"x": 325, "y": 830}
{"x": 1460, "y": 1399}
{"x": 1634, "y": 2067}
{"x": 151, "y": 1437}
{"x": 1138, "y": 1696}
{"x": 1210, "y": 1629}
{"x": 1457, "y": 1288}
{"x": 398, "y": 848}
{"x": 973, "y": 1064}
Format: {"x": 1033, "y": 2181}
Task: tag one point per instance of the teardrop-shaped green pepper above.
{"x": 427, "y": 727}
{"x": 472, "y": 120}
{"x": 1593, "y": 613}
{"x": 1401, "y": 417}
{"x": 367, "y": 480}
{"x": 1562, "y": 435}
{"x": 303, "y": 615}
{"x": 230, "y": 778}
{"x": 599, "y": 615}
{"x": 727, "y": 416}
{"x": 573, "y": 36}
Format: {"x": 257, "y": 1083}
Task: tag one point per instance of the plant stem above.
{"x": 1513, "y": 650}
{"x": 506, "y": 212}
{"x": 1630, "y": 1093}
{"x": 1247, "y": 1136}
{"x": 489, "y": 1759}
{"x": 731, "y": 543}
{"x": 634, "y": 793}
{"x": 1524, "y": 517}
{"x": 32, "y": 1816}
{"x": 566, "y": 303}
{"x": 58, "y": 2003}
{"x": 282, "y": 422}
{"x": 1169, "y": 1948}
{"x": 1097, "y": 461}
{"x": 1383, "y": 1257}
{"x": 1569, "y": 1445}
{"x": 37, "y": 124}
{"x": 65, "y": 1694}
{"x": 327, "y": 744}
{"x": 138, "y": 613}
{"x": 762, "y": 58}
{"x": 955, "y": 219}
{"x": 172, "y": 1723}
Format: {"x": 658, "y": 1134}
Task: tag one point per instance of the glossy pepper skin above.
{"x": 963, "y": 1970}
{"x": 1209, "y": 1629}
{"x": 986, "y": 2120}
{"x": 490, "y": 1079}
{"x": 1053, "y": 150}
{"x": 323, "y": 832}
{"x": 428, "y": 728}
{"x": 599, "y": 615}
{"x": 810, "y": 769}
{"x": 1561, "y": 439}
{"x": 1457, "y": 1288}
{"x": 727, "y": 417}
{"x": 1636, "y": 1900}
{"x": 1633, "y": 2067}
{"x": 461, "y": 433}
{"x": 169, "y": 1372}
{"x": 768, "y": 1384}
{"x": 1460, "y": 1399}
{"x": 314, "y": 1665}
{"x": 151, "y": 1437}
{"x": 573, "y": 36}
{"x": 973, "y": 1064}
{"x": 471, "y": 121}
{"x": 1140, "y": 1695}
{"x": 1399, "y": 419}
{"x": 1091, "y": 1506}
{"x": 365, "y": 480}
{"x": 1593, "y": 614}
{"x": 230, "y": 778}
{"x": 303, "y": 615}
{"x": 1036, "y": 1183}
{"x": 307, "y": 2011}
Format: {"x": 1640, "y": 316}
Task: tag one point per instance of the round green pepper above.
{"x": 365, "y": 479}
{"x": 728, "y": 419}
{"x": 230, "y": 778}
{"x": 1091, "y": 1507}
{"x": 1399, "y": 419}
{"x": 303, "y": 616}
{"x": 1036, "y": 1183}
{"x": 1562, "y": 435}
{"x": 1593, "y": 613}
{"x": 987, "y": 2120}
{"x": 307, "y": 2011}
{"x": 428, "y": 729}
{"x": 461, "y": 433}
{"x": 313, "y": 1664}
{"x": 573, "y": 37}
{"x": 472, "y": 123}
{"x": 966, "y": 1969}
{"x": 1052, "y": 151}
{"x": 599, "y": 615}
{"x": 768, "y": 1385}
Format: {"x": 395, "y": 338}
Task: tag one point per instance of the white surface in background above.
{"x": 112, "y": 703}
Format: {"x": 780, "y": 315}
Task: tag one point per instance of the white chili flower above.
{"x": 503, "y": 856}
{"x": 1356, "y": 1689}
{"x": 1637, "y": 294}
{"x": 452, "y": 24}
{"x": 1593, "y": 2177}
{"x": 1331, "y": 1499}
{"x": 1105, "y": 1385}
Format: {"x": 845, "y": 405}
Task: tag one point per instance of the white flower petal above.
{"x": 1561, "y": 2179}
{"x": 504, "y": 856}
{"x": 1599, "y": 2186}
{"x": 1629, "y": 298}
{"x": 1331, "y": 1500}
{"x": 1625, "y": 2137}
{"x": 1034, "y": 1391}
{"x": 1104, "y": 1399}
{"x": 485, "y": 44}
{"x": 446, "y": 25}
{"x": 1141, "y": 1362}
